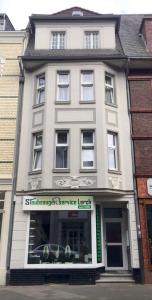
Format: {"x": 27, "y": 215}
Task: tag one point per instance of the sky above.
{"x": 19, "y": 10}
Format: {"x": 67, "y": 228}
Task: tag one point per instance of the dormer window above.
{"x": 58, "y": 40}
{"x": 77, "y": 13}
{"x": 91, "y": 39}
{"x": 1, "y": 24}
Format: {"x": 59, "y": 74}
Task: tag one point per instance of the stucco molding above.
{"x": 74, "y": 182}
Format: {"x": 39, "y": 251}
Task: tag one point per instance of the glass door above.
{"x": 114, "y": 238}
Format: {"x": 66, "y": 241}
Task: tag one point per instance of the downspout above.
{"x": 15, "y": 167}
{"x": 141, "y": 260}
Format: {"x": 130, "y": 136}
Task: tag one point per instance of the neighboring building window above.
{"x": 58, "y": 40}
{"x": 91, "y": 39}
{"x": 87, "y": 88}
{"x": 37, "y": 151}
{"x": 40, "y": 89}
{"x": 63, "y": 86}
{"x": 2, "y": 197}
{"x": 62, "y": 141}
{"x": 87, "y": 149}
{"x": 112, "y": 151}
{"x": 109, "y": 89}
{"x": 149, "y": 227}
{"x": 60, "y": 237}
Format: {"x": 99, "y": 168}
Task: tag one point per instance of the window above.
{"x": 60, "y": 237}
{"x": 87, "y": 149}
{"x": 37, "y": 151}
{"x": 91, "y": 39}
{"x": 109, "y": 89}
{"x": 112, "y": 151}
{"x": 62, "y": 138}
{"x": 63, "y": 86}
{"x": 2, "y": 197}
{"x": 40, "y": 89}
{"x": 87, "y": 89}
{"x": 149, "y": 227}
{"x": 1, "y": 24}
{"x": 58, "y": 40}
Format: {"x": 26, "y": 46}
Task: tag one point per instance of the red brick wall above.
{"x": 147, "y": 33}
{"x": 143, "y": 157}
{"x": 142, "y": 124}
{"x": 141, "y": 94}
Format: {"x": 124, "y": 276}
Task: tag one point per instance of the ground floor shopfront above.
{"x": 72, "y": 238}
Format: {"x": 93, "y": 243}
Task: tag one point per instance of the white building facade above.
{"x": 74, "y": 202}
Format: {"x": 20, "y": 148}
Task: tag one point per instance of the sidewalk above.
{"x": 67, "y": 292}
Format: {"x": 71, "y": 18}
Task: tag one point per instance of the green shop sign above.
{"x": 58, "y": 203}
{"x": 98, "y": 234}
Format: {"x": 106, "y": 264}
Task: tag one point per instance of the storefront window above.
{"x": 60, "y": 237}
{"x": 149, "y": 225}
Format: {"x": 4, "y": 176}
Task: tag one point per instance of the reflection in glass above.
{"x": 60, "y": 237}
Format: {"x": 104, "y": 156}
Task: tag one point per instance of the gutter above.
{"x": 141, "y": 259}
{"x": 15, "y": 167}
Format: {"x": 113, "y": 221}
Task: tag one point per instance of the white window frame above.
{"x": 110, "y": 87}
{"x": 36, "y": 149}
{"x": 87, "y": 146}
{"x": 114, "y": 149}
{"x": 89, "y": 39}
{"x": 66, "y": 145}
{"x": 60, "y": 40}
{"x": 39, "y": 88}
{"x": 63, "y": 85}
{"x": 87, "y": 84}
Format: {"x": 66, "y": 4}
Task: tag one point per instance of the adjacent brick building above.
{"x": 138, "y": 47}
{"x": 11, "y": 46}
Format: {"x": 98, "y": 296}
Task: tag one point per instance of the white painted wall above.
{"x": 74, "y": 38}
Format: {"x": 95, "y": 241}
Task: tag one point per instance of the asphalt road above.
{"x": 102, "y": 291}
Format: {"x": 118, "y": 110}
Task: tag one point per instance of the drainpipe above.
{"x": 15, "y": 167}
{"x": 141, "y": 259}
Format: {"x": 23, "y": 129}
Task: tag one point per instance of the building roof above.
{"x": 8, "y": 24}
{"x": 132, "y": 40}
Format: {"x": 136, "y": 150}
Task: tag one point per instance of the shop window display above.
{"x": 60, "y": 237}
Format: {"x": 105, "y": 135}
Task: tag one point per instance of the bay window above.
{"x": 112, "y": 151}
{"x": 109, "y": 89}
{"x": 87, "y": 149}
{"x": 87, "y": 86}
{"x": 37, "y": 151}
{"x": 62, "y": 147}
{"x": 63, "y": 86}
{"x": 40, "y": 89}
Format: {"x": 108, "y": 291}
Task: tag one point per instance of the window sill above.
{"x": 87, "y": 102}
{"x": 35, "y": 172}
{"x": 114, "y": 172}
{"x": 112, "y": 105}
{"x": 88, "y": 170}
{"x": 61, "y": 170}
{"x": 62, "y": 102}
{"x": 38, "y": 105}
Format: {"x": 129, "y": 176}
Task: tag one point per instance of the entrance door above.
{"x": 115, "y": 244}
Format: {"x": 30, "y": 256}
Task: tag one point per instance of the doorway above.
{"x": 115, "y": 243}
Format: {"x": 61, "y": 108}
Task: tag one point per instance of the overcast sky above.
{"x": 19, "y": 10}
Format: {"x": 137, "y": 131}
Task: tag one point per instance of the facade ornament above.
{"x": 74, "y": 182}
{"x": 115, "y": 182}
{"x": 35, "y": 183}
